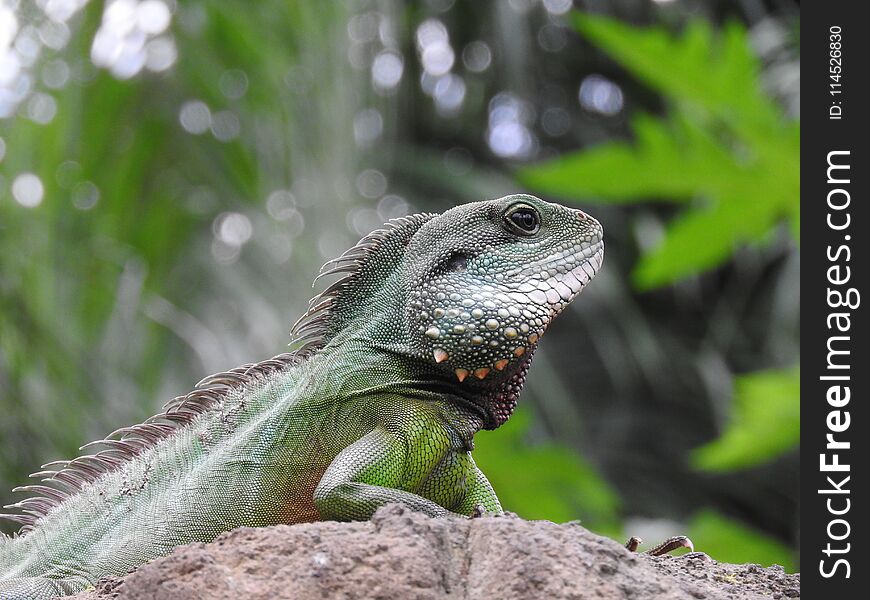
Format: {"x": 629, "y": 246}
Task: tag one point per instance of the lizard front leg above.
{"x": 478, "y": 497}
{"x": 370, "y": 473}
{"x": 421, "y": 471}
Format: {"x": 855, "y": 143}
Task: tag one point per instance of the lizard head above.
{"x": 464, "y": 296}
{"x": 486, "y": 279}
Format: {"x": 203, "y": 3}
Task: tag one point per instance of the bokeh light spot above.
{"x": 438, "y": 58}
{"x": 434, "y": 48}
{"x": 54, "y": 34}
{"x": 557, "y": 7}
{"x": 509, "y": 135}
{"x": 85, "y": 195}
{"x": 392, "y": 206}
{"x": 153, "y": 16}
{"x": 160, "y": 54}
{"x": 233, "y": 83}
{"x": 225, "y": 126}
{"x": 363, "y": 28}
{"x": 232, "y": 230}
{"x": 61, "y": 10}
{"x": 27, "y": 190}
{"x": 363, "y": 221}
{"x": 387, "y": 70}
{"x": 281, "y": 204}
{"x": 449, "y": 94}
{"x": 368, "y": 125}
{"x": 55, "y": 74}
{"x": 371, "y": 183}
{"x": 41, "y": 108}
{"x": 195, "y": 117}
{"x": 598, "y": 94}
{"x": 125, "y": 43}
{"x": 477, "y": 57}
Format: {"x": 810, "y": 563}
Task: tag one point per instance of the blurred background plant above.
{"x": 172, "y": 173}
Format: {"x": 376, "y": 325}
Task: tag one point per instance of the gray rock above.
{"x": 403, "y": 554}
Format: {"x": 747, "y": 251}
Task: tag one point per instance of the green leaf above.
{"x": 728, "y": 540}
{"x": 673, "y": 161}
{"x": 715, "y": 73}
{"x": 724, "y": 142}
{"x": 765, "y": 422}
{"x": 700, "y": 239}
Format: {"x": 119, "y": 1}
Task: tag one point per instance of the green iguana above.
{"x": 424, "y": 340}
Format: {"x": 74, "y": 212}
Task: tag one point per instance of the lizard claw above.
{"x": 478, "y": 512}
{"x": 632, "y": 543}
{"x": 669, "y": 545}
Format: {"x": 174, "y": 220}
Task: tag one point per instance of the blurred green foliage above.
{"x": 724, "y": 151}
{"x": 727, "y": 540}
{"x": 765, "y": 422}
{"x": 110, "y": 292}
{"x": 545, "y": 481}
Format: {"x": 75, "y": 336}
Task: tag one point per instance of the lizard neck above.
{"x": 381, "y": 345}
{"x": 379, "y": 357}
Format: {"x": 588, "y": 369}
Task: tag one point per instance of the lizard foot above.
{"x": 669, "y": 545}
{"x": 478, "y": 512}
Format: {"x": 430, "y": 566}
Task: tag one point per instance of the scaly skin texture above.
{"x": 425, "y": 340}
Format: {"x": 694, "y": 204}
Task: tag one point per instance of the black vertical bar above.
{"x": 835, "y": 64}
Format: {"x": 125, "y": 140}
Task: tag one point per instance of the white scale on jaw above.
{"x": 561, "y": 287}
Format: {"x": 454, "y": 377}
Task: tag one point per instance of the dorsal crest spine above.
{"x": 365, "y": 265}
{"x": 63, "y": 478}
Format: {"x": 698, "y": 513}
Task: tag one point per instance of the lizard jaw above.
{"x": 478, "y": 332}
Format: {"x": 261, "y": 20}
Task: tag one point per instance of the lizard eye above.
{"x": 522, "y": 220}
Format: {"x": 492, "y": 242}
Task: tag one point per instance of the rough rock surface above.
{"x": 403, "y": 554}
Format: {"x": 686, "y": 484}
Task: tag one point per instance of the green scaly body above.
{"x": 425, "y": 340}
